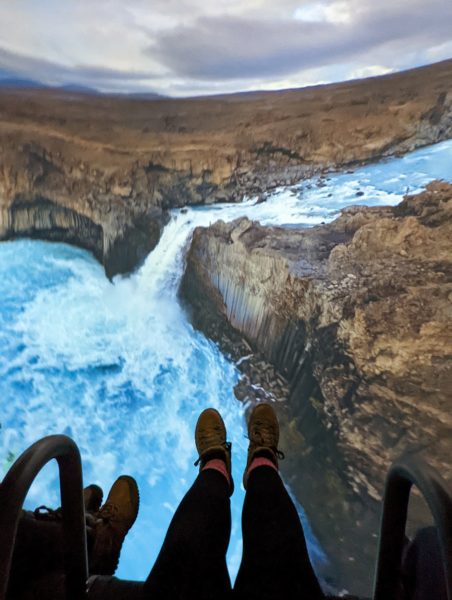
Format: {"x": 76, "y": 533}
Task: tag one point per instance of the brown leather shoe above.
{"x": 263, "y": 433}
{"x": 92, "y": 498}
{"x": 113, "y": 521}
{"x": 210, "y": 439}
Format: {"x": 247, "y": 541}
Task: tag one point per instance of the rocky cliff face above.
{"x": 102, "y": 171}
{"x": 50, "y": 197}
{"x": 357, "y": 317}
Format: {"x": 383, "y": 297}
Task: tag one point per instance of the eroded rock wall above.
{"x": 357, "y": 316}
{"x": 47, "y": 220}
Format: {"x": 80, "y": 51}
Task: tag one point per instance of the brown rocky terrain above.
{"x": 101, "y": 171}
{"x": 355, "y": 318}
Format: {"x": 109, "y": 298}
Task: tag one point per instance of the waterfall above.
{"x": 118, "y": 367}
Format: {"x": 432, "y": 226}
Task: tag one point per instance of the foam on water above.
{"x": 119, "y": 368}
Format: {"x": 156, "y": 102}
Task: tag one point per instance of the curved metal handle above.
{"x": 403, "y": 474}
{"x": 13, "y": 491}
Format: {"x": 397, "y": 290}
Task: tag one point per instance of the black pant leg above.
{"x": 275, "y": 563}
{"x": 192, "y": 561}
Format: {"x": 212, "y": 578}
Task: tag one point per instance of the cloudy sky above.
{"x": 192, "y": 47}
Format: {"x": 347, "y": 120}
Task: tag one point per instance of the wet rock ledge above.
{"x": 356, "y": 316}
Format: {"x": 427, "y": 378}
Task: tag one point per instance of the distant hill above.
{"x": 146, "y": 95}
{"x": 19, "y": 83}
{"x": 74, "y": 87}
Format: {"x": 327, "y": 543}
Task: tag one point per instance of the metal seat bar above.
{"x": 13, "y": 491}
{"x": 403, "y": 474}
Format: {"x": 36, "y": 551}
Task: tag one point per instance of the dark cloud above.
{"x": 221, "y": 48}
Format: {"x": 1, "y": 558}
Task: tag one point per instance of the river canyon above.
{"x": 340, "y": 318}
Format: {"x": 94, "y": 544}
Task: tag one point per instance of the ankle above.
{"x": 259, "y": 461}
{"x": 266, "y": 453}
{"x": 217, "y": 464}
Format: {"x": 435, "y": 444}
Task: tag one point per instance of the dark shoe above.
{"x": 92, "y": 497}
{"x": 114, "y": 520}
{"x": 210, "y": 439}
{"x": 263, "y": 433}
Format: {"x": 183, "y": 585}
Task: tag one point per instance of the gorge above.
{"x": 102, "y": 171}
{"x": 359, "y": 345}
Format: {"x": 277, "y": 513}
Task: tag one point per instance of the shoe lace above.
{"x": 227, "y": 446}
{"x": 278, "y": 453}
{"x": 108, "y": 512}
{"x": 263, "y": 435}
{"x": 206, "y": 434}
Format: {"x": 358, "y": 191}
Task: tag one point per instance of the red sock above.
{"x": 218, "y": 465}
{"x": 260, "y": 461}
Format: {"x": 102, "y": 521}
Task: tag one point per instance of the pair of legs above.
{"x": 275, "y": 561}
{"x": 192, "y": 562}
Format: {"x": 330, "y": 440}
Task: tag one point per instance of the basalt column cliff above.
{"x": 357, "y": 317}
{"x": 102, "y": 171}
